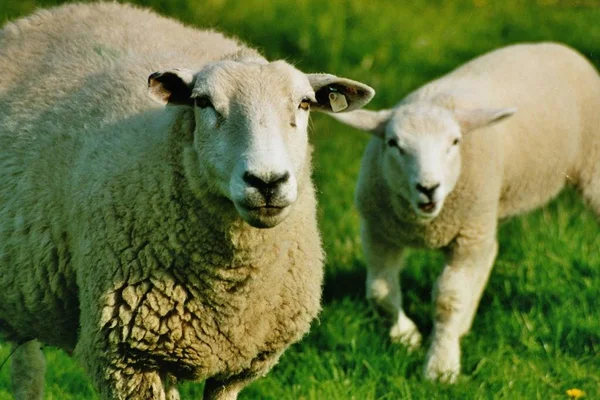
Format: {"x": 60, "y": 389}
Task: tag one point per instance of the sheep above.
{"x": 157, "y": 214}
{"x": 494, "y": 138}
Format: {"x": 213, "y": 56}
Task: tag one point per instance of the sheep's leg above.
{"x": 228, "y": 388}
{"x": 124, "y": 381}
{"x": 456, "y": 297}
{"x": 590, "y": 188}
{"x": 384, "y": 263}
{"x": 170, "y": 387}
{"x": 27, "y": 372}
{"x": 117, "y": 379}
{"x": 115, "y": 375}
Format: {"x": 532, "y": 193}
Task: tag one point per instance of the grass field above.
{"x": 537, "y": 332}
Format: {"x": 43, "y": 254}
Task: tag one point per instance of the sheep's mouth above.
{"x": 264, "y": 216}
{"x": 267, "y": 210}
{"x": 427, "y": 207}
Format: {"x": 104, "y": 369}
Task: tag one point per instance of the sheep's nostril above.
{"x": 427, "y": 190}
{"x": 279, "y": 179}
{"x": 268, "y": 184}
{"x": 254, "y": 181}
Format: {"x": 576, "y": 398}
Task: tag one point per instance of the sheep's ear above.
{"x": 365, "y": 120}
{"x": 172, "y": 87}
{"x": 335, "y": 94}
{"x": 470, "y": 120}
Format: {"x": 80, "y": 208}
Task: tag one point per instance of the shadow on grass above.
{"x": 350, "y": 283}
{"x": 344, "y": 283}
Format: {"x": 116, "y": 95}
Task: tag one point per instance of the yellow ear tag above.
{"x": 338, "y": 102}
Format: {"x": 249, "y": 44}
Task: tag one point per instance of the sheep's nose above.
{"x": 428, "y": 190}
{"x": 267, "y": 186}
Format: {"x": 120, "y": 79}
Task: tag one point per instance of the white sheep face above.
{"x": 421, "y": 159}
{"x": 251, "y": 130}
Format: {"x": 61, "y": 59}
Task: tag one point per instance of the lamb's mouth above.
{"x": 428, "y": 207}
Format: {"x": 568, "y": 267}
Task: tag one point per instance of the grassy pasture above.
{"x": 537, "y": 332}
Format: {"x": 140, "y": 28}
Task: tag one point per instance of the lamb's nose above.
{"x": 266, "y": 185}
{"x": 428, "y": 190}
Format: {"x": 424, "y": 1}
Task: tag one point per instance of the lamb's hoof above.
{"x": 409, "y": 337}
{"x": 443, "y": 363}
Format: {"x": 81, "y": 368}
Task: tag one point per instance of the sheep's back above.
{"x": 50, "y": 57}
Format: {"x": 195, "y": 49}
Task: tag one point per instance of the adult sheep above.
{"x": 447, "y": 163}
{"x": 130, "y": 232}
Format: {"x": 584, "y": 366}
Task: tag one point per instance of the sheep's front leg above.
{"x": 122, "y": 379}
{"x": 118, "y": 371}
{"x": 384, "y": 262}
{"x": 456, "y": 297}
{"x": 224, "y": 389}
{"x": 170, "y": 386}
{"x": 228, "y": 388}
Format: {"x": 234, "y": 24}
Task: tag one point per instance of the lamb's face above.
{"x": 421, "y": 159}
{"x": 250, "y": 136}
{"x": 251, "y": 133}
{"x": 421, "y": 147}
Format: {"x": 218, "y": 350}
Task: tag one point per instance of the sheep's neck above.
{"x": 213, "y": 242}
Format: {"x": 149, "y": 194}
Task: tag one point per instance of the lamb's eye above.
{"x": 305, "y": 104}
{"x": 203, "y": 102}
{"x": 455, "y": 142}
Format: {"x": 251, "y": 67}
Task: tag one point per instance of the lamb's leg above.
{"x": 27, "y": 372}
{"x": 384, "y": 263}
{"x": 228, "y": 388}
{"x": 480, "y": 275}
{"x": 456, "y": 297}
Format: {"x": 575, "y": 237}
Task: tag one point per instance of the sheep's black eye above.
{"x": 305, "y": 104}
{"x": 455, "y": 142}
{"x": 394, "y": 143}
{"x": 203, "y": 102}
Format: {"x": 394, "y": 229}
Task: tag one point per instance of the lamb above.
{"x": 155, "y": 243}
{"x": 498, "y": 136}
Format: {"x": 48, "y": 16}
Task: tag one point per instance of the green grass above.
{"x": 537, "y": 332}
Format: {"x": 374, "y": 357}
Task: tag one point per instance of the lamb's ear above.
{"x": 470, "y": 120}
{"x": 365, "y": 120}
{"x": 335, "y": 94}
{"x": 172, "y": 87}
